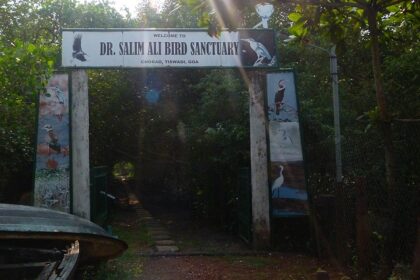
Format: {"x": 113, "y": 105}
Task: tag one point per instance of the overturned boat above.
{"x": 32, "y": 235}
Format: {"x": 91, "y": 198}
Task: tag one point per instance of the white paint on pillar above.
{"x": 80, "y": 144}
{"x": 259, "y": 171}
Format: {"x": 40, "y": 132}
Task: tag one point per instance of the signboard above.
{"x": 287, "y": 173}
{"x": 52, "y": 171}
{"x": 134, "y": 48}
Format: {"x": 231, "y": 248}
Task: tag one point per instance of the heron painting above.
{"x": 257, "y": 48}
{"x": 260, "y": 50}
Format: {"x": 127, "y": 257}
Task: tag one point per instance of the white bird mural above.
{"x": 260, "y": 50}
{"x": 275, "y": 187}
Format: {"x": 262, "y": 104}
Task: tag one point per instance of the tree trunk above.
{"x": 384, "y": 117}
{"x": 386, "y": 131}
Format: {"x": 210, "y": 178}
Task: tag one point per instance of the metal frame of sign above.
{"x": 69, "y": 135}
{"x": 286, "y": 70}
{"x": 68, "y": 54}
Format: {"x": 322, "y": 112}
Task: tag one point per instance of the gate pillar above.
{"x": 80, "y": 144}
{"x": 259, "y": 170}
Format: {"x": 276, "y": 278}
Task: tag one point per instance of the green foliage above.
{"x": 113, "y": 111}
{"x": 24, "y": 68}
{"x": 29, "y": 47}
{"x": 123, "y": 170}
{"x": 192, "y": 143}
{"x": 216, "y": 15}
{"x": 352, "y": 26}
{"x": 218, "y": 142}
{"x": 340, "y": 20}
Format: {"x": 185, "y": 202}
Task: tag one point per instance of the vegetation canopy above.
{"x": 191, "y": 142}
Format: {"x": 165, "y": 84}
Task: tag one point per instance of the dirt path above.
{"x": 234, "y": 268}
{"x": 225, "y": 256}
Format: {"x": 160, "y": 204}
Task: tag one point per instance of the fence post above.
{"x": 416, "y": 262}
{"x": 341, "y": 224}
{"x": 363, "y": 229}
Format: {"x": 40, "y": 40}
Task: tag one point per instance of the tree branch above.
{"x": 387, "y": 3}
{"x": 324, "y": 3}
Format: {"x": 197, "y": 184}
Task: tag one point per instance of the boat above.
{"x": 33, "y": 235}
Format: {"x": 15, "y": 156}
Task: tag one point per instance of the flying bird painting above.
{"x": 78, "y": 53}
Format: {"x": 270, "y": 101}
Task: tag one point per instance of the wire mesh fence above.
{"x": 364, "y": 222}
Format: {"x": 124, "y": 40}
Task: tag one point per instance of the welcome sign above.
{"x": 146, "y": 48}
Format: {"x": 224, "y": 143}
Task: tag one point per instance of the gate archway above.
{"x": 250, "y": 50}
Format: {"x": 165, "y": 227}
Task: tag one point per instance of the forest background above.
{"x": 197, "y": 134}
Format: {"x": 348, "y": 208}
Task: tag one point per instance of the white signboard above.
{"x": 132, "y": 48}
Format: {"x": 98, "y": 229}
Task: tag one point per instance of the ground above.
{"x": 205, "y": 253}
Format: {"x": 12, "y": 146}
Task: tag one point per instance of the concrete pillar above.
{"x": 259, "y": 170}
{"x": 80, "y": 144}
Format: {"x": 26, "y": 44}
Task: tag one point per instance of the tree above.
{"x": 377, "y": 19}
{"x": 352, "y": 24}
{"x": 26, "y": 61}
{"x": 29, "y": 40}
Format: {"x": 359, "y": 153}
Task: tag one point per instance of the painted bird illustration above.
{"x": 278, "y": 182}
{"x": 279, "y": 96}
{"x": 78, "y": 53}
{"x": 259, "y": 49}
{"x": 52, "y": 139}
{"x": 59, "y": 94}
{"x": 285, "y": 139}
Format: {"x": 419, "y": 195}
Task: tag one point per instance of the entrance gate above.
{"x": 250, "y": 50}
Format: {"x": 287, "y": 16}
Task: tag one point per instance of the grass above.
{"x": 129, "y": 265}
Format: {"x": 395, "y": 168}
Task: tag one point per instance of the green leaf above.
{"x": 298, "y": 30}
{"x": 31, "y": 48}
{"x": 295, "y": 16}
